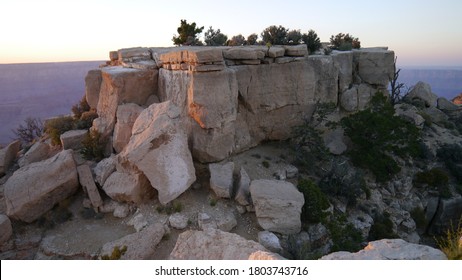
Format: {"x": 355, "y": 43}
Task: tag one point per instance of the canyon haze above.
{"x": 44, "y": 90}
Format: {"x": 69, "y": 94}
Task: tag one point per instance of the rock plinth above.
{"x": 159, "y": 149}
{"x": 214, "y": 244}
{"x": 278, "y": 205}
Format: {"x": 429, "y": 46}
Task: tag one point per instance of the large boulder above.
{"x": 446, "y": 105}
{"x": 37, "y": 187}
{"x": 72, "y": 139}
{"x": 159, "y": 149}
{"x": 5, "y": 229}
{"x": 38, "y": 152}
{"x": 119, "y": 86}
{"x": 422, "y": 93}
{"x": 128, "y": 186}
{"x": 390, "y": 249}
{"x": 213, "y": 244}
{"x": 8, "y": 155}
{"x": 221, "y": 179}
{"x": 104, "y": 169}
{"x": 126, "y": 117}
{"x": 375, "y": 66}
{"x": 297, "y": 50}
{"x": 278, "y": 205}
{"x": 139, "y": 245}
{"x": 92, "y": 87}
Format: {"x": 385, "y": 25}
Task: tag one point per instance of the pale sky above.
{"x": 421, "y": 32}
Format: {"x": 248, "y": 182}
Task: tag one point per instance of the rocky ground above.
{"x": 73, "y": 231}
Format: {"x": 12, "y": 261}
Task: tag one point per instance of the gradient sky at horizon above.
{"x": 422, "y": 33}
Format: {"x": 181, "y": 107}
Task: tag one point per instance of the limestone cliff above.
{"x": 231, "y": 99}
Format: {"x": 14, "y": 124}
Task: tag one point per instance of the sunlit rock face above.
{"x": 232, "y": 98}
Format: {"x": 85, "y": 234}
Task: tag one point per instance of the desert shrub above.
{"x": 275, "y": 35}
{"x": 382, "y": 227}
{"x": 86, "y": 120}
{"x": 116, "y": 254}
{"x": 300, "y": 250}
{"x": 312, "y": 41}
{"x": 57, "y": 126}
{"x": 170, "y": 208}
{"x": 451, "y": 155}
{"x": 81, "y": 107}
{"x": 187, "y": 34}
{"x": 436, "y": 178}
{"x": 215, "y": 37}
{"x": 308, "y": 144}
{"x": 344, "y": 42}
{"x": 29, "y": 131}
{"x": 315, "y": 202}
{"x": 94, "y": 145}
{"x": 342, "y": 180}
{"x": 213, "y": 202}
{"x": 345, "y": 237}
{"x": 252, "y": 39}
{"x": 294, "y": 37}
{"x": 378, "y": 135}
{"x": 265, "y": 164}
{"x": 451, "y": 243}
{"x": 237, "y": 40}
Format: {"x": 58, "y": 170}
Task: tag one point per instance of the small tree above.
{"x": 312, "y": 41}
{"x": 396, "y": 87}
{"x": 252, "y": 39}
{"x": 187, "y": 34}
{"x": 294, "y": 37}
{"x": 215, "y": 37}
{"x": 275, "y": 35}
{"x": 30, "y": 130}
{"x": 237, "y": 40}
{"x": 344, "y": 42}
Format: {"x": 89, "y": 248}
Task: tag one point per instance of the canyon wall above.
{"x": 232, "y": 98}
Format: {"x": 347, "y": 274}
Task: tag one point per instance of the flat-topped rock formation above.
{"x": 232, "y": 98}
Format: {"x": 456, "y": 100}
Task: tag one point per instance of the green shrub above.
{"x": 57, "y": 126}
{"x": 345, "y": 237}
{"x": 436, "y": 178}
{"x": 378, "y": 135}
{"x": 116, "y": 254}
{"x": 382, "y": 228}
{"x": 81, "y": 107}
{"x": 265, "y": 164}
{"x": 94, "y": 145}
{"x": 312, "y": 41}
{"x": 344, "y": 181}
{"x": 451, "y": 155}
{"x": 344, "y": 42}
{"x": 86, "y": 120}
{"x": 213, "y": 202}
{"x": 315, "y": 202}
